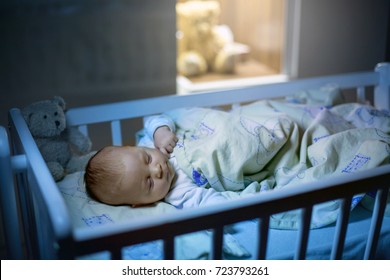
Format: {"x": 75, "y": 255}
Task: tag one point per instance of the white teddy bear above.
{"x": 64, "y": 149}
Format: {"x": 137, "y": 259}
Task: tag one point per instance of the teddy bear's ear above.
{"x": 59, "y": 101}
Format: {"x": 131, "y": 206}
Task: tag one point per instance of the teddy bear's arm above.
{"x": 56, "y": 170}
{"x": 79, "y": 141}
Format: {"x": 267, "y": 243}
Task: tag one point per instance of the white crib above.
{"x": 45, "y": 230}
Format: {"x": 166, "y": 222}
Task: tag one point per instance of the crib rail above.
{"x": 40, "y": 202}
{"x": 150, "y": 106}
{"x": 8, "y": 198}
{"x": 115, "y": 112}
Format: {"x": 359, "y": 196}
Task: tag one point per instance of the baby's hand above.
{"x": 164, "y": 140}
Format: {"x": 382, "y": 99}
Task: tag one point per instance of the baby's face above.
{"x": 147, "y": 177}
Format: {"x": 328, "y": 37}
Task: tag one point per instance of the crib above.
{"x": 46, "y": 231}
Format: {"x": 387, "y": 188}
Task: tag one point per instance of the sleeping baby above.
{"x": 145, "y": 174}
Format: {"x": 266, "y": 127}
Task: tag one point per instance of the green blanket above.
{"x": 276, "y": 144}
{"x": 227, "y": 151}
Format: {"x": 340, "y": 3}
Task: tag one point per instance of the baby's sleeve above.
{"x": 151, "y": 123}
{"x": 186, "y": 194}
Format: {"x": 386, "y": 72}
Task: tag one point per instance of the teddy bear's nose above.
{"x": 57, "y": 123}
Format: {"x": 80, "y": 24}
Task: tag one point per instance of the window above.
{"x": 253, "y": 33}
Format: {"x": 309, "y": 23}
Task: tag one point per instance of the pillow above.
{"x": 86, "y": 212}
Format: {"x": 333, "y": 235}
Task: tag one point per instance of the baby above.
{"x": 136, "y": 176}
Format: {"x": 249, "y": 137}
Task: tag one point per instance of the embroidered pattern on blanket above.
{"x": 97, "y": 220}
{"x": 356, "y": 163}
{"x": 198, "y": 178}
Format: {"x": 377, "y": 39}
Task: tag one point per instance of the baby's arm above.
{"x": 164, "y": 139}
{"x": 186, "y": 194}
{"x": 161, "y": 129}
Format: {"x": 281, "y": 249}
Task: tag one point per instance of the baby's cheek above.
{"x": 166, "y": 188}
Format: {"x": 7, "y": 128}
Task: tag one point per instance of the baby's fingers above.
{"x": 164, "y": 151}
{"x": 169, "y": 148}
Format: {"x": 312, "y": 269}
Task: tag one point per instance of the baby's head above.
{"x": 119, "y": 175}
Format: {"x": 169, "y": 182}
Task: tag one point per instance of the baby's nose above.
{"x": 157, "y": 171}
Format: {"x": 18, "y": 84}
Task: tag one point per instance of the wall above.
{"x": 88, "y": 52}
{"x": 95, "y": 52}
{"x": 265, "y": 37}
{"x": 104, "y": 51}
{"x": 338, "y": 36}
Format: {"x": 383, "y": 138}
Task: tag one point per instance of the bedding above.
{"x": 281, "y": 144}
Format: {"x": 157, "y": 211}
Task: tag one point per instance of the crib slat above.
{"x": 376, "y": 223}
{"x": 217, "y": 244}
{"x": 116, "y": 254}
{"x": 235, "y": 106}
{"x": 83, "y": 129}
{"x": 304, "y": 229}
{"x": 263, "y": 238}
{"x": 28, "y": 218}
{"x": 341, "y": 229}
{"x": 169, "y": 248}
{"x": 361, "y": 95}
{"x": 116, "y": 133}
{"x": 8, "y": 197}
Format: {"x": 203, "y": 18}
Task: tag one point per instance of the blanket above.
{"x": 270, "y": 145}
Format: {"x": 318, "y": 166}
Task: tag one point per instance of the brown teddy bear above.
{"x": 202, "y": 44}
